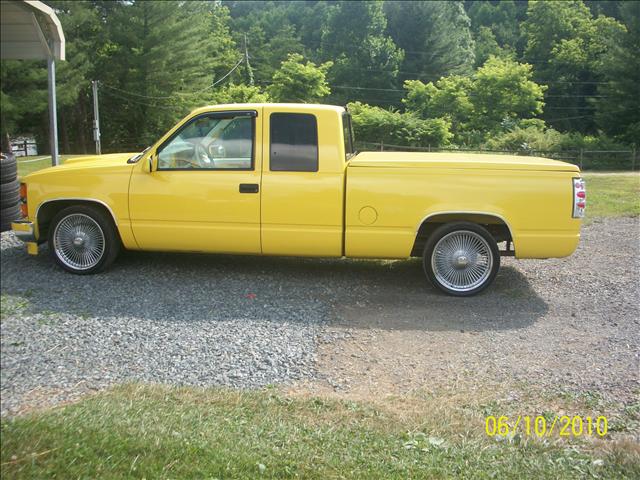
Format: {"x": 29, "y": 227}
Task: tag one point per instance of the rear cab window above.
{"x": 293, "y": 142}
{"x": 349, "y": 149}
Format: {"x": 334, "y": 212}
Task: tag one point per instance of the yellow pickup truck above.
{"x": 284, "y": 179}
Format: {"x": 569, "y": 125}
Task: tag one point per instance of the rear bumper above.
{"x": 546, "y": 244}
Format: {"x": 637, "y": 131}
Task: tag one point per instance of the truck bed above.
{"x": 458, "y": 160}
{"x": 389, "y": 196}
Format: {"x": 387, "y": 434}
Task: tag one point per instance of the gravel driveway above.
{"x": 547, "y": 327}
{"x": 252, "y": 321}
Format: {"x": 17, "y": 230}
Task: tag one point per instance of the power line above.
{"x": 137, "y": 102}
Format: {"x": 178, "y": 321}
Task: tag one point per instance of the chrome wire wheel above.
{"x": 462, "y": 260}
{"x": 78, "y": 241}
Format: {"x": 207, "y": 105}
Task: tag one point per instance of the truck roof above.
{"x": 251, "y": 106}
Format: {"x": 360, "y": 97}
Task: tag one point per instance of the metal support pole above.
{"x": 581, "y": 157}
{"x": 246, "y": 59}
{"x": 53, "y": 117}
{"x": 96, "y": 117}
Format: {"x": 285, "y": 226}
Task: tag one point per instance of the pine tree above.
{"x": 158, "y": 55}
{"x": 364, "y": 57}
{"x": 619, "y": 110}
{"x": 435, "y": 36}
{"x": 567, "y": 46}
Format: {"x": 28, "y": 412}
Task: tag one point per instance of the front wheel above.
{"x": 83, "y": 240}
{"x": 461, "y": 258}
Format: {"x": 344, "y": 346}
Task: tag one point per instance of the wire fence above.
{"x": 585, "y": 159}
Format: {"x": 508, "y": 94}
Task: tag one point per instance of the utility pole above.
{"x": 246, "y": 59}
{"x": 53, "y": 117}
{"x": 96, "y": 117}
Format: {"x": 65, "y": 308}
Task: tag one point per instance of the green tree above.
{"x": 499, "y": 91}
{"x": 161, "y": 59}
{"x": 269, "y": 33}
{"x": 435, "y": 36}
{"x": 619, "y": 110}
{"x": 23, "y": 97}
{"x": 297, "y": 81}
{"x": 309, "y": 17}
{"x": 24, "y": 83}
{"x": 503, "y": 89}
{"x": 449, "y": 97}
{"x": 486, "y": 46}
{"x": 567, "y": 46}
{"x": 502, "y": 19}
{"x": 240, "y": 93}
{"x": 365, "y": 59}
{"x": 84, "y": 34}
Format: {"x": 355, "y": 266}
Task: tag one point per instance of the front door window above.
{"x": 210, "y": 142}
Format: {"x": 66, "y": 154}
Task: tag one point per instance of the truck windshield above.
{"x": 349, "y": 148}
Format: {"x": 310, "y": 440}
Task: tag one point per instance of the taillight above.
{"x": 23, "y": 200}
{"x": 579, "y": 197}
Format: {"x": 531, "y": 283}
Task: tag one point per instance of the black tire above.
{"x": 489, "y": 249}
{"x": 8, "y": 168}
{"x": 104, "y": 224}
{"x": 9, "y": 194}
{"x": 8, "y": 215}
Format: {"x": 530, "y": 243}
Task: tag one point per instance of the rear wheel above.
{"x": 461, "y": 258}
{"x": 83, "y": 240}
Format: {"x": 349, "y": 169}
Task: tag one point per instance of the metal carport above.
{"x": 32, "y": 30}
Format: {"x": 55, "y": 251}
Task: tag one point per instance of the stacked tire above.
{"x": 9, "y": 191}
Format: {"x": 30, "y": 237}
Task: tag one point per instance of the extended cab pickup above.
{"x": 283, "y": 179}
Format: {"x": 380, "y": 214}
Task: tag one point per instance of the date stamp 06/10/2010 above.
{"x": 541, "y": 426}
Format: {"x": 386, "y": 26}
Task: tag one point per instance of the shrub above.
{"x": 577, "y": 141}
{"x": 526, "y": 139}
{"x": 375, "y": 124}
{"x": 234, "y": 93}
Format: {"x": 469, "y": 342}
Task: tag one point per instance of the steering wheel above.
{"x": 216, "y": 151}
{"x": 203, "y": 158}
{"x": 196, "y": 159}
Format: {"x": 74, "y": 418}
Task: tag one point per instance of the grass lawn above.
{"x": 612, "y": 195}
{"x": 161, "y": 432}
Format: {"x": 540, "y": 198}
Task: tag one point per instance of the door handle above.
{"x": 249, "y": 188}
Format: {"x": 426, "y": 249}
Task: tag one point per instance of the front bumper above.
{"x": 25, "y": 231}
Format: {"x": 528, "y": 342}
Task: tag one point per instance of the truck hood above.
{"x": 100, "y": 160}
{"x": 95, "y": 163}
{"x": 467, "y": 161}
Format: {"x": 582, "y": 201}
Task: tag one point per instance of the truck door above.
{"x": 302, "y": 182}
{"x": 204, "y": 191}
